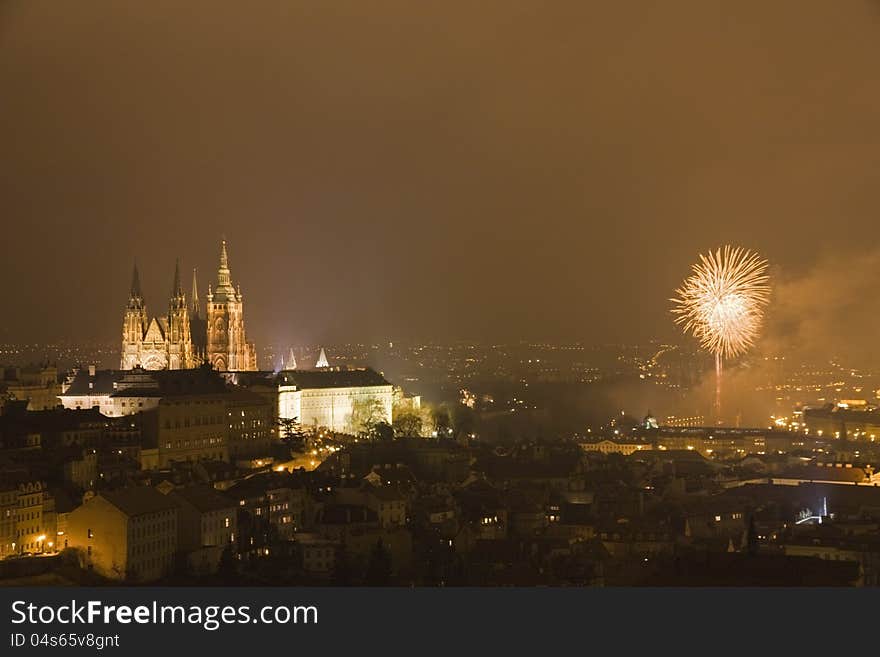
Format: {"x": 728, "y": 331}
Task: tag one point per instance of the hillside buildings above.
{"x": 126, "y": 534}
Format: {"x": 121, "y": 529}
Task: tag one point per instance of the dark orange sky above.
{"x": 381, "y": 169}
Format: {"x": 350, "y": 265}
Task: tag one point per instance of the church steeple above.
{"x": 135, "y": 283}
{"x": 224, "y": 290}
{"x": 177, "y": 289}
{"x": 224, "y": 258}
{"x": 227, "y": 346}
{"x": 178, "y": 335}
{"x": 196, "y": 310}
{"x": 134, "y": 324}
{"x": 135, "y": 298}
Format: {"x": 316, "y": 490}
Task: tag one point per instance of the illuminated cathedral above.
{"x": 183, "y": 339}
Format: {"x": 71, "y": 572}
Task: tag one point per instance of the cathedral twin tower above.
{"x": 182, "y": 339}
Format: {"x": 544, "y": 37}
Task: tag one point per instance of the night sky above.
{"x": 407, "y": 170}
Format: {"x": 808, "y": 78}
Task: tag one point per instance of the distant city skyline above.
{"x": 537, "y": 172}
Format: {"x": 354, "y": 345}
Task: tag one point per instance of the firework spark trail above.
{"x": 722, "y": 304}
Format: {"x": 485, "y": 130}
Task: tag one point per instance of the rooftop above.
{"x": 138, "y": 500}
{"x": 204, "y": 498}
{"x": 310, "y": 379}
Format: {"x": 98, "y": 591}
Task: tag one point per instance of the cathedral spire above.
{"x": 224, "y": 289}
{"x": 322, "y": 360}
{"x": 177, "y": 289}
{"x": 197, "y": 311}
{"x": 135, "y": 283}
{"x": 224, "y": 259}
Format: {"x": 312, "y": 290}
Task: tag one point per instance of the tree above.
{"x": 365, "y": 415}
{"x": 382, "y": 431}
{"x": 463, "y": 420}
{"x": 442, "y": 421}
{"x": 752, "y": 537}
{"x": 227, "y": 569}
{"x": 379, "y": 568}
{"x": 407, "y": 425}
{"x": 291, "y": 433}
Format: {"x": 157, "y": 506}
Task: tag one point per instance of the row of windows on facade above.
{"x": 198, "y": 421}
{"x": 246, "y": 413}
{"x": 210, "y": 524}
{"x": 252, "y": 424}
{"x": 30, "y": 515}
{"x": 28, "y": 530}
{"x": 252, "y": 436}
{"x": 201, "y": 456}
{"x": 259, "y": 511}
{"x": 138, "y": 549}
{"x": 141, "y": 531}
{"x": 200, "y": 442}
{"x": 31, "y": 546}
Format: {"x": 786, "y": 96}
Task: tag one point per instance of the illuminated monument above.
{"x": 182, "y": 339}
{"x": 161, "y": 342}
{"x": 227, "y": 347}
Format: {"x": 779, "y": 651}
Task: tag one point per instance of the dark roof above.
{"x": 323, "y": 378}
{"x": 345, "y": 514}
{"x": 127, "y": 383}
{"x": 58, "y": 419}
{"x": 243, "y": 396}
{"x": 202, "y": 380}
{"x": 203, "y": 498}
{"x": 257, "y": 485}
{"x": 102, "y": 382}
{"x": 137, "y": 392}
{"x": 396, "y": 473}
{"x": 138, "y": 500}
{"x": 338, "y": 378}
{"x": 385, "y": 493}
{"x": 65, "y": 501}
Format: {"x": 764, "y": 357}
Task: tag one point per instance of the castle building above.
{"x": 182, "y": 339}
{"x": 227, "y": 346}
{"x": 329, "y": 398}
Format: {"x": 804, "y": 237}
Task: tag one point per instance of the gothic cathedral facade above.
{"x": 183, "y": 339}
